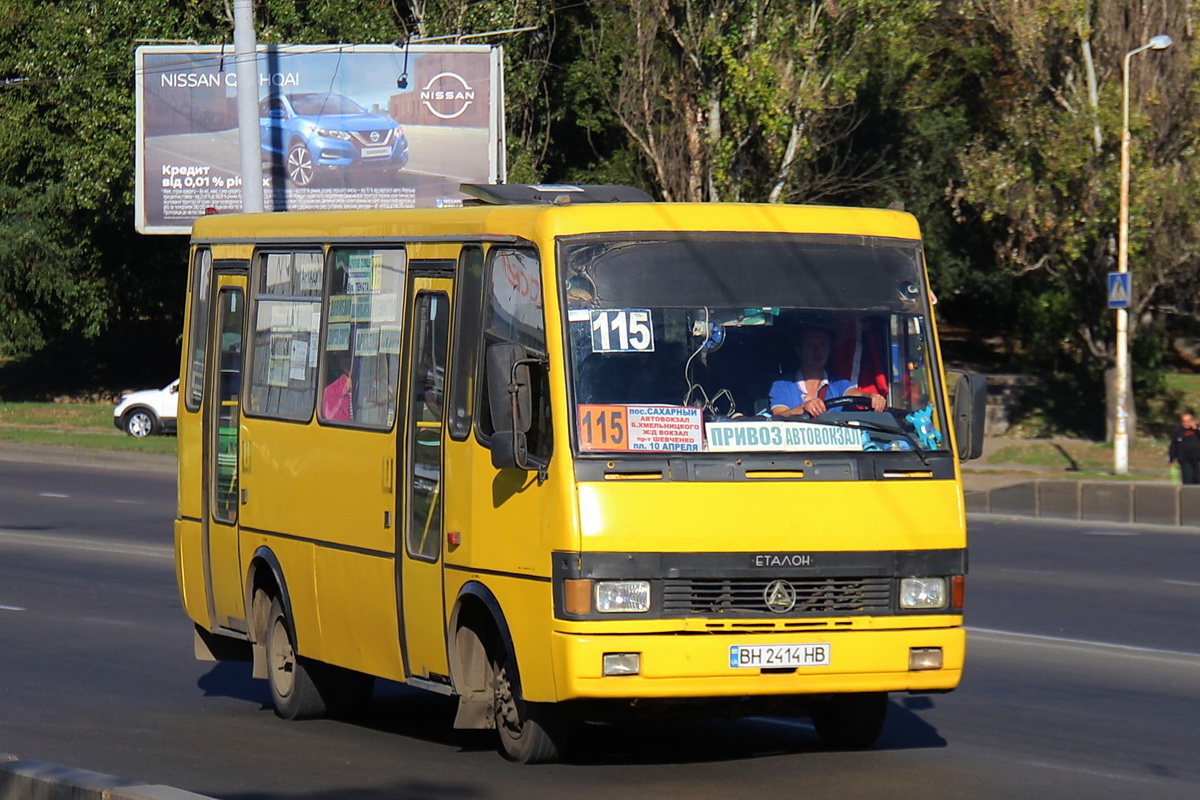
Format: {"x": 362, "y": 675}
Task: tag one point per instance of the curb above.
{"x": 40, "y": 780}
{"x": 1092, "y": 501}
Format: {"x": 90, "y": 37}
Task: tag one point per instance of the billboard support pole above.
{"x": 245, "y": 47}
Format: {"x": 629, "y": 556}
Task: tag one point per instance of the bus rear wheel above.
{"x": 850, "y": 721}
{"x": 530, "y": 733}
{"x": 293, "y": 690}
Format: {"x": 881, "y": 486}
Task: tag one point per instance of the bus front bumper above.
{"x": 700, "y": 666}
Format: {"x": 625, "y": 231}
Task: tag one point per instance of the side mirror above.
{"x": 970, "y": 412}
{"x": 510, "y": 450}
{"x": 511, "y": 404}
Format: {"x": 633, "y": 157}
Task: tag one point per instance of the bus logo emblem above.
{"x": 780, "y": 596}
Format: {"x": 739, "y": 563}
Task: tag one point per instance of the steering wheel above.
{"x": 857, "y": 401}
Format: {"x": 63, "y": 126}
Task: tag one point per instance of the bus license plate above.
{"x": 376, "y": 152}
{"x": 778, "y": 656}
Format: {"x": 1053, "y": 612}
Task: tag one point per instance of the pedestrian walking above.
{"x": 1185, "y": 448}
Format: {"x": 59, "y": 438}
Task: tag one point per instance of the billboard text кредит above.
{"x": 338, "y": 128}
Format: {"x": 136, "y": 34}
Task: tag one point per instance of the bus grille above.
{"x": 814, "y": 596}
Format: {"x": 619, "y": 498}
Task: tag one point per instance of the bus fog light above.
{"x": 622, "y": 597}
{"x": 922, "y": 658}
{"x": 923, "y": 593}
{"x": 622, "y": 664}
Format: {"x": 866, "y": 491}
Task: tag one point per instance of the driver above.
{"x": 807, "y": 394}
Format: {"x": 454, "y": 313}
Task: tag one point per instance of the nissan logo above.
{"x": 374, "y": 136}
{"x": 447, "y": 95}
{"x": 780, "y": 596}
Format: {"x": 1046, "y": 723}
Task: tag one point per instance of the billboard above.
{"x": 341, "y": 126}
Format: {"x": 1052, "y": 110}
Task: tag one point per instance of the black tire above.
{"x": 300, "y": 168}
{"x": 530, "y": 733}
{"x": 140, "y": 423}
{"x": 293, "y": 690}
{"x": 850, "y": 721}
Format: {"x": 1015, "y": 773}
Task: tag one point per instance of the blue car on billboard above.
{"x": 324, "y": 131}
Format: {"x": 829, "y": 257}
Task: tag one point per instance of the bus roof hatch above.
{"x": 504, "y": 194}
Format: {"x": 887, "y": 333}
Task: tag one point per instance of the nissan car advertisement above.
{"x": 340, "y": 126}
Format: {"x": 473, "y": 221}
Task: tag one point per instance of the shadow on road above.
{"x": 415, "y": 714}
{"x": 232, "y": 679}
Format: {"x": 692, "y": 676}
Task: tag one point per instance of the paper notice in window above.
{"x": 640, "y": 428}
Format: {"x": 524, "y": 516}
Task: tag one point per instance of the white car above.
{"x": 148, "y": 412}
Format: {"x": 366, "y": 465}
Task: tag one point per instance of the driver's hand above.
{"x": 814, "y": 406}
{"x": 878, "y": 402}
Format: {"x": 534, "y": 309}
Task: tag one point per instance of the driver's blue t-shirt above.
{"x": 789, "y": 394}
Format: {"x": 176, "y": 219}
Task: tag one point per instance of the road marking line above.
{"x": 91, "y": 545}
{"x": 1181, "y": 583}
{"x": 1079, "y": 644}
{"x": 52, "y": 494}
{"x": 1110, "y": 533}
{"x": 131, "y": 502}
{"x": 1094, "y": 772}
{"x": 12, "y": 608}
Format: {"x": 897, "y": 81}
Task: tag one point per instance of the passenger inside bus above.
{"x": 807, "y": 393}
{"x": 336, "y": 400}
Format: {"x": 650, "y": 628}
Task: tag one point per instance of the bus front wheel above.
{"x": 293, "y": 690}
{"x": 850, "y": 721}
{"x": 530, "y": 733}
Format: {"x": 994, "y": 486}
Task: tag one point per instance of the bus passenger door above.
{"x": 221, "y": 467}
{"x": 423, "y": 625}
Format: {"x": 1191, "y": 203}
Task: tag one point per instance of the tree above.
{"x": 70, "y": 261}
{"x": 725, "y": 100}
{"x": 1042, "y": 173}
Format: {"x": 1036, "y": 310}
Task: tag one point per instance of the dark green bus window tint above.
{"x": 198, "y": 330}
{"x": 465, "y": 355}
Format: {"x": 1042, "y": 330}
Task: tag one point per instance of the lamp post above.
{"x": 245, "y": 47}
{"x": 1121, "y": 427}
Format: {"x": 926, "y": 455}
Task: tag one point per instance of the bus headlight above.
{"x": 622, "y": 597}
{"x": 917, "y": 593}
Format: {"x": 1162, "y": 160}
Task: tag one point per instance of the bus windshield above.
{"x": 713, "y": 342}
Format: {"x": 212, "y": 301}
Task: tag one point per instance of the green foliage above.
{"x": 70, "y": 261}
{"x": 1041, "y": 172}
{"x": 996, "y": 123}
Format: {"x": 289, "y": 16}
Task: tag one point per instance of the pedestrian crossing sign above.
{"x": 1118, "y": 290}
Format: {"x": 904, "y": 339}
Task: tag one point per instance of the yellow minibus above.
{"x": 566, "y": 454}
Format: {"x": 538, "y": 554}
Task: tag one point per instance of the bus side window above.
{"x": 198, "y": 330}
{"x": 513, "y": 313}
{"x": 468, "y": 317}
{"x": 287, "y": 298}
{"x": 361, "y": 348}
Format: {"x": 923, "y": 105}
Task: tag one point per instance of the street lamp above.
{"x": 245, "y": 49}
{"x": 1121, "y": 428}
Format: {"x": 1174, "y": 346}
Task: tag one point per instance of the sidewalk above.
{"x": 981, "y": 475}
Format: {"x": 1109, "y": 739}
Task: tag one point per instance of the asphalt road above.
{"x": 1083, "y": 679}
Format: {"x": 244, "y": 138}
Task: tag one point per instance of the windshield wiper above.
{"x": 858, "y": 422}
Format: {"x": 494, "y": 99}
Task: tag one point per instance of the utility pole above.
{"x": 1121, "y": 430}
{"x": 245, "y": 49}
